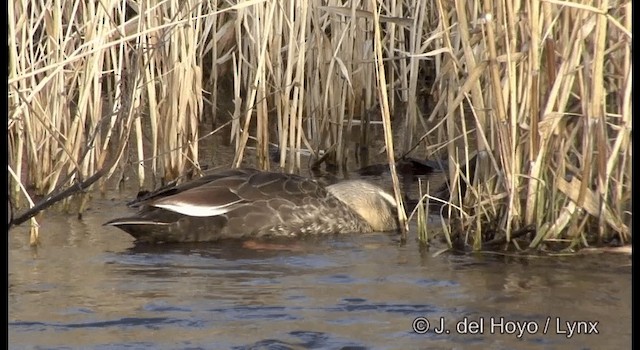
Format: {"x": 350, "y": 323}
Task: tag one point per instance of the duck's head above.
{"x": 376, "y": 206}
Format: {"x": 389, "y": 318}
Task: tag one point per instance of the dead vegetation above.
{"x": 540, "y": 90}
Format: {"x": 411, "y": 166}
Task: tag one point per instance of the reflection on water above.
{"x": 89, "y": 286}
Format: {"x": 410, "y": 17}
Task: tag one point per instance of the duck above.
{"x": 434, "y": 171}
{"x": 248, "y": 203}
{"x": 406, "y": 166}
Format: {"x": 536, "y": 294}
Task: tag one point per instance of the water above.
{"x": 91, "y": 287}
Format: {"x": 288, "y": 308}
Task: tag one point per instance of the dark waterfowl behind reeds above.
{"x": 247, "y": 203}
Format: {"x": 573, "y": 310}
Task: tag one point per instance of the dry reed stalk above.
{"x": 290, "y": 100}
{"x": 260, "y": 21}
{"x": 388, "y": 134}
{"x": 410, "y": 88}
{"x": 423, "y": 219}
{"x": 347, "y": 44}
{"x": 150, "y": 76}
{"x": 506, "y": 128}
{"x": 261, "y": 97}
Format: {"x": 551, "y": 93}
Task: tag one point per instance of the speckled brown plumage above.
{"x": 247, "y": 203}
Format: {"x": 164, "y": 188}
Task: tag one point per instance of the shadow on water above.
{"x": 234, "y": 259}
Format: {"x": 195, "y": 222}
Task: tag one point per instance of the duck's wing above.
{"x": 145, "y": 198}
{"x": 224, "y": 194}
{"x": 268, "y": 185}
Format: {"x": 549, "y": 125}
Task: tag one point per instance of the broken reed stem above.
{"x": 423, "y": 215}
{"x": 33, "y": 227}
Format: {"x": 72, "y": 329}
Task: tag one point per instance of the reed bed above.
{"x": 536, "y": 94}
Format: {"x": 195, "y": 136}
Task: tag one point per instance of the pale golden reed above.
{"x": 540, "y": 90}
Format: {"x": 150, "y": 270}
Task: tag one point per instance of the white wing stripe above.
{"x": 191, "y": 209}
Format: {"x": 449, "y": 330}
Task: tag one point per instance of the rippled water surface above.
{"x": 90, "y": 287}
